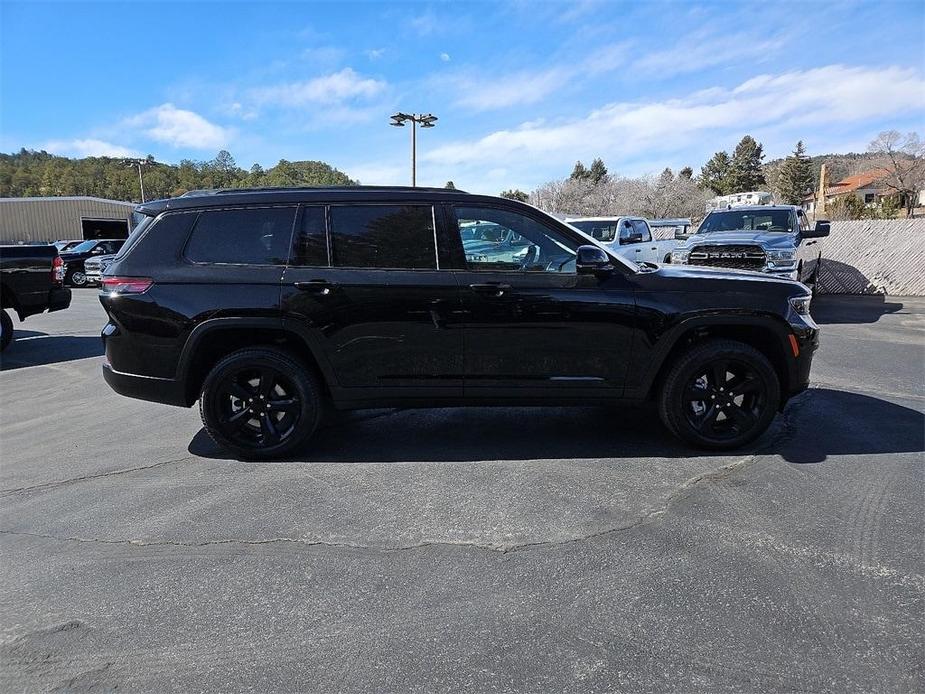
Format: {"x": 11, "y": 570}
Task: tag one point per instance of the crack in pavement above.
{"x": 649, "y": 516}
{"x": 680, "y": 492}
{"x": 74, "y": 480}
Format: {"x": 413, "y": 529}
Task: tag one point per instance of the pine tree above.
{"x": 716, "y": 174}
{"x": 450, "y": 185}
{"x": 687, "y": 173}
{"x": 796, "y": 176}
{"x": 580, "y": 173}
{"x": 745, "y": 173}
{"x": 515, "y": 194}
{"x": 597, "y": 172}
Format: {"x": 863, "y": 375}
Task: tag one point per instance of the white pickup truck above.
{"x": 631, "y": 237}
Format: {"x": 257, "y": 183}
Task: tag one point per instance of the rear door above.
{"x": 532, "y": 326}
{"x": 366, "y": 287}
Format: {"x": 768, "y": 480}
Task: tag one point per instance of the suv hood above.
{"x": 700, "y": 273}
{"x": 766, "y": 239}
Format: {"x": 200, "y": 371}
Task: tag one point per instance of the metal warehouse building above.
{"x": 44, "y": 220}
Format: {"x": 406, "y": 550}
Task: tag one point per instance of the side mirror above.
{"x": 681, "y": 234}
{"x": 592, "y": 260}
{"x": 822, "y": 228}
{"x": 632, "y": 238}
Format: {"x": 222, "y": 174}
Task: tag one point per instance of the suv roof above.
{"x": 233, "y": 196}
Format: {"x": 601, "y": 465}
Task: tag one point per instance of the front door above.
{"x": 532, "y": 326}
{"x": 366, "y": 288}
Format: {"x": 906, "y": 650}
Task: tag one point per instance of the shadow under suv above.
{"x": 269, "y": 306}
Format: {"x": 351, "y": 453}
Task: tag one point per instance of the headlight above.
{"x": 801, "y": 304}
{"x": 680, "y": 257}
{"x": 781, "y": 255}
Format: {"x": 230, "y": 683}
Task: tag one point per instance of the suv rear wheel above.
{"x": 720, "y": 394}
{"x": 260, "y": 403}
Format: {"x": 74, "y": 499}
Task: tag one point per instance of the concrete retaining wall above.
{"x": 882, "y": 256}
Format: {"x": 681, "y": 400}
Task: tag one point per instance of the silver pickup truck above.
{"x": 763, "y": 238}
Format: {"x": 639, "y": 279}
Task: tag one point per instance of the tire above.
{"x": 235, "y": 403}
{"x": 76, "y": 278}
{"x": 667, "y": 260}
{"x": 705, "y": 370}
{"x": 6, "y": 330}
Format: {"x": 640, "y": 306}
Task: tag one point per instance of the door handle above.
{"x": 492, "y": 288}
{"x": 322, "y": 287}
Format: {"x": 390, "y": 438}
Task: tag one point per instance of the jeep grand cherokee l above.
{"x": 269, "y": 306}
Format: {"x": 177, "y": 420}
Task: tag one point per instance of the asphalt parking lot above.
{"x": 535, "y": 550}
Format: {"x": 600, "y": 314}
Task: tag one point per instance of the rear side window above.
{"x": 246, "y": 236}
{"x": 383, "y": 236}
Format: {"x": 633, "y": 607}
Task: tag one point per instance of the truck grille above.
{"x": 736, "y": 257}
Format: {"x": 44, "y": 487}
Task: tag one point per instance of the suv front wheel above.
{"x": 720, "y": 394}
{"x": 260, "y": 403}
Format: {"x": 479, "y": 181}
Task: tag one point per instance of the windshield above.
{"x": 84, "y": 247}
{"x": 600, "y": 230}
{"x": 748, "y": 220}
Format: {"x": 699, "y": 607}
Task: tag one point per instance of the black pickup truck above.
{"x": 31, "y": 281}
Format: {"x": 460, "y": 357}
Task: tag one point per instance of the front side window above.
{"x": 245, "y": 236}
{"x": 383, "y": 236}
{"x": 626, "y": 231}
{"x": 495, "y": 239}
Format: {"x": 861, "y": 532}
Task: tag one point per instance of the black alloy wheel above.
{"x": 720, "y": 394}
{"x": 260, "y": 403}
{"x": 724, "y": 399}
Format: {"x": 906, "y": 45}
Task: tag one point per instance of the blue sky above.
{"x": 522, "y": 89}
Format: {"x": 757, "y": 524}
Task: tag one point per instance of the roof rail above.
{"x": 297, "y": 189}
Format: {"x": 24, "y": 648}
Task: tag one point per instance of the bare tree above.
{"x": 902, "y": 157}
{"x": 654, "y": 197}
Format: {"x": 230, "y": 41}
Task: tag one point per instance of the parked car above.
{"x": 270, "y": 306}
{"x": 31, "y": 281}
{"x": 75, "y": 272}
{"x": 63, "y": 246}
{"x": 95, "y": 266}
{"x": 761, "y": 238}
{"x": 630, "y": 237}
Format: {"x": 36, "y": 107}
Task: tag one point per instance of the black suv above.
{"x": 268, "y": 306}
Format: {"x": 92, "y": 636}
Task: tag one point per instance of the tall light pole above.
{"x": 139, "y": 163}
{"x": 426, "y": 120}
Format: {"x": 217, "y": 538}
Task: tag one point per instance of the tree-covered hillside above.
{"x": 30, "y": 173}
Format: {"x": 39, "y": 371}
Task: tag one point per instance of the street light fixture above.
{"x": 425, "y": 120}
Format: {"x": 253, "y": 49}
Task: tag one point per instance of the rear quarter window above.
{"x": 243, "y": 236}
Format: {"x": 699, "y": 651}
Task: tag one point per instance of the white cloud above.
{"x": 445, "y": 57}
{"x": 89, "y": 148}
{"x": 822, "y": 96}
{"x": 178, "y": 128}
{"x": 703, "y": 50}
{"x": 334, "y": 88}
{"x": 374, "y": 53}
{"x": 477, "y": 92}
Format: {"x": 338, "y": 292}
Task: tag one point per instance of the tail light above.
{"x": 57, "y": 271}
{"x": 126, "y": 285}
